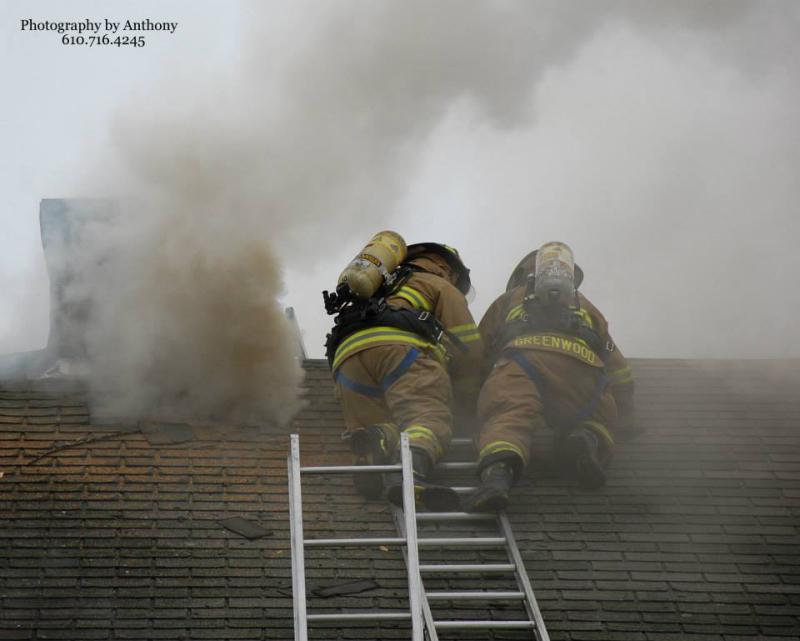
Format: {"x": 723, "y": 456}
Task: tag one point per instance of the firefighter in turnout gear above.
{"x": 553, "y": 363}
{"x": 400, "y": 359}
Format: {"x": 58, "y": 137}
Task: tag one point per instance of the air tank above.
{"x": 374, "y": 264}
{"x": 554, "y": 274}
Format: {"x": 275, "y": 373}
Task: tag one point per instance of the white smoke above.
{"x": 615, "y": 126}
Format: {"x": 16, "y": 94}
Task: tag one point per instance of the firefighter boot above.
{"x": 371, "y": 447}
{"x": 492, "y": 495}
{"x": 437, "y": 498}
{"x": 582, "y": 452}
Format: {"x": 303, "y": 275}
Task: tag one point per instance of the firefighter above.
{"x": 552, "y": 362}
{"x": 400, "y": 366}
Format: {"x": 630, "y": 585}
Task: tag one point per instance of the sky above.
{"x": 659, "y": 140}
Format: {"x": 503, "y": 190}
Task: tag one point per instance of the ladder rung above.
{"x": 424, "y": 542}
{"x": 359, "y": 616}
{"x": 460, "y": 441}
{"x": 350, "y": 469}
{"x": 475, "y": 596}
{"x": 457, "y": 465}
{"x": 462, "y": 541}
{"x": 456, "y": 516}
{"x": 322, "y": 543}
{"x": 463, "y": 490}
{"x": 453, "y": 625}
{"x": 465, "y": 567}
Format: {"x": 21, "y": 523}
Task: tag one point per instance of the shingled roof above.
{"x": 114, "y": 531}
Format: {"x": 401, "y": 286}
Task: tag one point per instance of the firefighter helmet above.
{"x": 450, "y": 255}
{"x": 527, "y": 266}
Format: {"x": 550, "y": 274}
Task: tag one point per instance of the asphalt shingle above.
{"x": 109, "y": 534}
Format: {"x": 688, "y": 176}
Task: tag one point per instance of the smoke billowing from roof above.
{"x": 313, "y": 141}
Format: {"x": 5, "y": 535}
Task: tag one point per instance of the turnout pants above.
{"x": 400, "y": 388}
{"x": 528, "y": 389}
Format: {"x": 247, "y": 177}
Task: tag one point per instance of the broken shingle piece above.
{"x": 243, "y": 527}
{"x": 353, "y": 587}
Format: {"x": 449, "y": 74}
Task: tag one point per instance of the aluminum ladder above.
{"x": 423, "y": 625}
{"x": 409, "y": 540}
{"x": 515, "y": 566}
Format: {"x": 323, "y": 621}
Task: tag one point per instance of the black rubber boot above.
{"x": 496, "y": 482}
{"x": 582, "y": 449}
{"x": 370, "y": 446}
{"x": 437, "y": 498}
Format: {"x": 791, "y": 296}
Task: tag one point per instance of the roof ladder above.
{"x": 524, "y": 593}
{"x": 409, "y": 540}
{"x": 423, "y": 624}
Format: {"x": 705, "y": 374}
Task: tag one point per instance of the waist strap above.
{"x": 421, "y": 326}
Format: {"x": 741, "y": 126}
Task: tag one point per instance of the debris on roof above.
{"x": 243, "y": 527}
{"x": 350, "y": 587}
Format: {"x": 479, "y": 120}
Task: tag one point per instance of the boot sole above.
{"x": 589, "y": 472}
{"x": 494, "y": 502}
{"x": 436, "y": 498}
{"x": 440, "y": 498}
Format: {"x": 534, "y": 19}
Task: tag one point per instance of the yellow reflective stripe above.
{"x": 601, "y": 430}
{"x": 407, "y": 297}
{"x": 377, "y": 335}
{"x": 371, "y": 331}
{"x": 621, "y": 375}
{"x": 460, "y": 329}
{"x": 515, "y": 312}
{"x": 414, "y": 297}
{"x": 417, "y": 432}
{"x": 585, "y": 316}
{"x": 382, "y": 334}
{"x": 500, "y": 446}
{"x": 392, "y": 435}
{"x": 470, "y": 338}
{"x": 466, "y": 333}
{"x": 411, "y": 339}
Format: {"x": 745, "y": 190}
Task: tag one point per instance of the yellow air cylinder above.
{"x": 374, "y": 264}
{"x": 554, "y": 274}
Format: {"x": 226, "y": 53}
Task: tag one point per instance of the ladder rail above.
{"x": 521, "y": 576}
{"x": 296, "y": 534}
{"x": 298, "y": 544}
{"x": 430, "y": 628}
{"x": 412, "y": 551}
